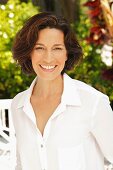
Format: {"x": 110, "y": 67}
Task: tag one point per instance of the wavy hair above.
{"x": 26, "y": 38}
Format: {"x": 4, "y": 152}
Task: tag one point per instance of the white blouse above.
{"x": 77, "y": 136}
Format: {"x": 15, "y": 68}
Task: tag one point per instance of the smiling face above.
{"x": 49, "y": 54}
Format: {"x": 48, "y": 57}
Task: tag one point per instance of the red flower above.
{"x": 92, "y": 3}
{"x": 97, "y": 35}
{"x": 95, "y": 12}
{"x": 95, "y": 29}
{"x": 108, "y": 74}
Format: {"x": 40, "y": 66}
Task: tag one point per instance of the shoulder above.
{"x": 19, "y": 100}
{"x": 91, "y": 98}
{"x": 19, "y": 97}
{"x": 87, "y": 90}
{"x": 86, "y": 87}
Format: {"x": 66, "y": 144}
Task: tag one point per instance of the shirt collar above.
{"x": 70, "y": 94}
{"x": 27, "y": 94}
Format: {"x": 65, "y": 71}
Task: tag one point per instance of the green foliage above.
{"x": 90, "y": 70}
{"x": 12, "y": 17}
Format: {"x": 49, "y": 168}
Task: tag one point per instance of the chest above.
{"x": 67, "y": 139}
{"x": 43, "y": 110}
{"x": 68, "y": 127}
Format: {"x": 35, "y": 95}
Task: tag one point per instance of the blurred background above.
{"x": 92, "y": 22}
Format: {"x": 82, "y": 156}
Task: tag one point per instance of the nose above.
{"x": 48, "y": 57}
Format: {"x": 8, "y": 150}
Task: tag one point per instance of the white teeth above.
{"x": 47, "y": 67}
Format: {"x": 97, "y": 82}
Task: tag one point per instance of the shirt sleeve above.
{"x": 18, "y": 162}
{"x": 102, "y": 127}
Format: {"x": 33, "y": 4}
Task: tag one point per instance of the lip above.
{"x": 48, "y": 70}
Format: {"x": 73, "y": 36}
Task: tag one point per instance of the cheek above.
{"x": 35, "y": 58}
{"x": 65, "y": 58}
{"x": 62, "y": 62}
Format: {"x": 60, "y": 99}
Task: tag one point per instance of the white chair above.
{"x": 7, "y": 142}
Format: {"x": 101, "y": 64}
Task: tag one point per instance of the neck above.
{"x": 48, "y": 88}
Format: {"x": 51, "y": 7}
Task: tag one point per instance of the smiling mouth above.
{"x": 48, "y": 68}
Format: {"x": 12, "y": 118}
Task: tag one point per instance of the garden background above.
{"x": 89, "y": 23}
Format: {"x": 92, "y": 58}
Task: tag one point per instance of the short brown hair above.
{"x": 26, "y": 38}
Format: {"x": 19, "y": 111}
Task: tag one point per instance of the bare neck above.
{"x": 48, "y": 88}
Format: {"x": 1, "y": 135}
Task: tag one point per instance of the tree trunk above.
{"x": 70, "y": 9}
{"x": 3, "y": 1}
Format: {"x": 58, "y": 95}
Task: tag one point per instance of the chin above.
{"x": 47, "y": 76}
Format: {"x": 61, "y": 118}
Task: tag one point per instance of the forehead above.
{"x": 50, "y": 35}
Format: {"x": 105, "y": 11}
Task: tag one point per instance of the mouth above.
{"x": 49, "y": 68}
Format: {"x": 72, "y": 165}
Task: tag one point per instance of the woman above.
{"x": 60, "y": 123}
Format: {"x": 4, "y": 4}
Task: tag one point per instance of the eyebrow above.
{"x": 53, "y": 45}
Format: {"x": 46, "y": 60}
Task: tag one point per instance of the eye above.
{"x": 58, "y": 48}
{"x": 39, "y": 48}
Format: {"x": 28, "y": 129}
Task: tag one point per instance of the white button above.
{"x": 41, "y": 145}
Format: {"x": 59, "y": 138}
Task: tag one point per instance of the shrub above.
{"x": 12, "y": 17}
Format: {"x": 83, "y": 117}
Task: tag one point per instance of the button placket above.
{"x": 43, "y": 157}
{"x": 41, "y": 145}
